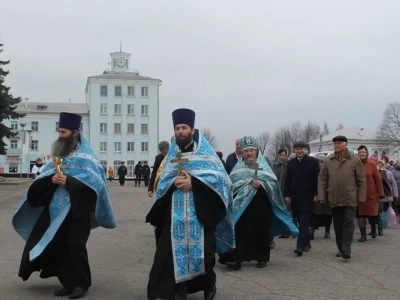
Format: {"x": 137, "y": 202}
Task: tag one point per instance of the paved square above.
{"x": 120, "y": 261}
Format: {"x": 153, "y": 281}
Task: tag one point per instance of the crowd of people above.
{"x": 203, "y": 205}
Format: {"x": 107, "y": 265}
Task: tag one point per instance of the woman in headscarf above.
{"x": 370, "y": 208}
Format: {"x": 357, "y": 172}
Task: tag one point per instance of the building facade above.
{"x": 120, "y": 120}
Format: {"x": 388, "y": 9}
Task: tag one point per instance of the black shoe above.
{"x": 63, "y": 292}
{"x": 298, "y": 251}
{"x": 339, "y": 254}
{"x": 380, "y": 231}
{"x": 305, "y": 249}
{"x": 312, "y": 231}
{"x": 363, "y": 237}
{"x": 210, "y": 294}
{"x": 261, "y": 264}
{"x": 284, "y": 236}
{"x": 373, "y": 231}
{"x": 327, "y": 234}
{"x": 234, "y": 265}
{"x": 346, "y": 255}
{"x": 77, "y": 293}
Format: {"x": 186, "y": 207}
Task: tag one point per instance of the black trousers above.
{"x": 146, "y": 180}
{"x": 343, "y": 223}
{"x": 121, "y": 180}
{"x": 138, "y": 179}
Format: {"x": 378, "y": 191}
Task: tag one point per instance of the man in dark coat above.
{"x": 146, "y": 173}
{"x": 301, "y": 192}
{"x": 233, "y": 158}
{"x": 163, "y": 147}
{"x": 138, "y": 173}
{"x": 122, "y": 171}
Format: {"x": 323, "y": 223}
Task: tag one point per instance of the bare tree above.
{"x": 340, "y": 126}
{"x": 263, "y": 140}
{"x": 310, "y": 132}
{"x": 325, "y": 130}
{"x": 281, "y": 139}
{"x": 210, "y": 137}
{"x": 389, "y": 128}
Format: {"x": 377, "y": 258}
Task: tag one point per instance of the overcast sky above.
{"x": 244, "y": 66}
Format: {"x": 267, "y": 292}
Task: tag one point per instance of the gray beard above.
{"x": 64, "y": 146}
{"x": 249, "y": 161}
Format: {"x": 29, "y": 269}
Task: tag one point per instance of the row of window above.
{"x": 35, "y": 126}
{"x": 130, "y": 128}
{"x": 118, "y": 109}
{"x": 118, "y": 145}
{"x": 34, "y": 145}
{"x": 144, "y": 91}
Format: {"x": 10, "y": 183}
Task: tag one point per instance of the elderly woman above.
{"x": 322, "y": 215}
{"x": 370, "y": 208}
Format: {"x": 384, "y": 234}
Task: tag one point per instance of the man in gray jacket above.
{"x": 342, "y": 178}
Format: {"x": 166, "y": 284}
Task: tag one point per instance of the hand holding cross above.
{"x": 56, "y": 164}
{"x": 255, "y": 167}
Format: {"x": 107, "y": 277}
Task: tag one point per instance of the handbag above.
{"x": 382, "y": 219}
{"x": 391, "y": 217}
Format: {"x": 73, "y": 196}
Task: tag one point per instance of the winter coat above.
{"x": 396, "y": 175}
{"x": 386, "y": 185}
{"x": 122, "y": 171}
{"x": 146, "y": 171}
{"x": 138, "y": 170}
{"x": 374, "y": 189}
{"x": 279, "y": 169}
{"x": 110, "y": 173}
{"x": 230, "y": 163}
{"x": 392, "y": 183}
{"x": 301, "y": 183}
{"x": 343, "y": 180}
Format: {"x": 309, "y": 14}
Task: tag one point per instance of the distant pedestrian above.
{"x": 146, "y": 173}
{"x": 122, "y": 171}
{"x": 342, "y": 182}
{"x": 163, "y": 147}
{"x": 233, "y": 158}
{"x": 37, "y": 168}
{"x": 138, "y": 173}
{"x": 110, "y": 174}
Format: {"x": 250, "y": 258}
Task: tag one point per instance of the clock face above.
{"x": 121, "y": 62}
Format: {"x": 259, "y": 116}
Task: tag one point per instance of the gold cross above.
{"x": 179, "y": 160}
{"x": 56, "y": 164}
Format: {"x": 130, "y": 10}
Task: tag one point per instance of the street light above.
{"x": 29, "y": 148}
{"x": 22, "y": 124}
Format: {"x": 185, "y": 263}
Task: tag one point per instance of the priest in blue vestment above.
{"x": 193, "y": 196}
{"x": 67, "y": 200}
{"x": 259, "y": 212}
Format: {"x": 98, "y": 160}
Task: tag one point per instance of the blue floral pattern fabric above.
{"x": 242, "y": 177}
{"x": 187, "y": 233}
{"x": 83, "y": 166}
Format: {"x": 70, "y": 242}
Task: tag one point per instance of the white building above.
{"x": 124, "y": 109}
{"x": 356, "y": 136}
{"x": 34, "y": 139}
{"x": 120, "y": 120}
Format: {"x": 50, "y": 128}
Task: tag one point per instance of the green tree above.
{"x": 8, "y": 104}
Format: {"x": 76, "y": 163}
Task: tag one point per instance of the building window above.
{"x": 117, "y": 163}
{"x": 118, "y": 91}
{"x": 130, "y": 165}
{"x": 145, "y": 129}
{"x": 145, "y": 109}
{"x": 103, "y": 146}
{"x": 131, "y": 109}
{"x": 145, "y": 146}
{"x": 117, "y": 108}
{"x": 56, "y": 126}
{"x": 104, "y": 163}
{"x": 103, "y": 109}
{"x": 35, "y": 145}
{"x": 14, "y": 126}
{"x": 103, "y": 127}
{"x": 103, "y": 90}
{"x": 117, "y": 146}
{"x": 13, "y": 144}
{"x": 35, "y": 126}
{"x": 131, "y": 128}
{"x": 145, "y": 91}
{"x": 117, "y": 128}
{"x": 130, "y": 146}
{"x": 131, "y": 91}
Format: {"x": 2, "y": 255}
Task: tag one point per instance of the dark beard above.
{"x": 182, "y": 143}
{"x": 249, "y": 161}
{"x": 64, "y": 146}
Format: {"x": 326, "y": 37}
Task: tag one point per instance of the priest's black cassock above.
{"x": 210, "y": 210}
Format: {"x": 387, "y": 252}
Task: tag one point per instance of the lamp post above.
{"x": 22, "y": 124}
{"x": 29, "y": 148}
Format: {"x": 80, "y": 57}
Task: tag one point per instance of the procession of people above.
{"x": 203, "y": 206}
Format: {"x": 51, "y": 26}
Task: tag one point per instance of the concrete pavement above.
{"x": 121, "y": 259}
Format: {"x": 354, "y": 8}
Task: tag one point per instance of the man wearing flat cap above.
{"x": 301, "y": 192}
{"x": 163, "y": 147}
{"x": 193, "y": 196}
{"x": 342, "y": 182}
{"x": 69, "y": 198}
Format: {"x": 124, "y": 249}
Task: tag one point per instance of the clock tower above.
{"x": 120, "y": 62}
